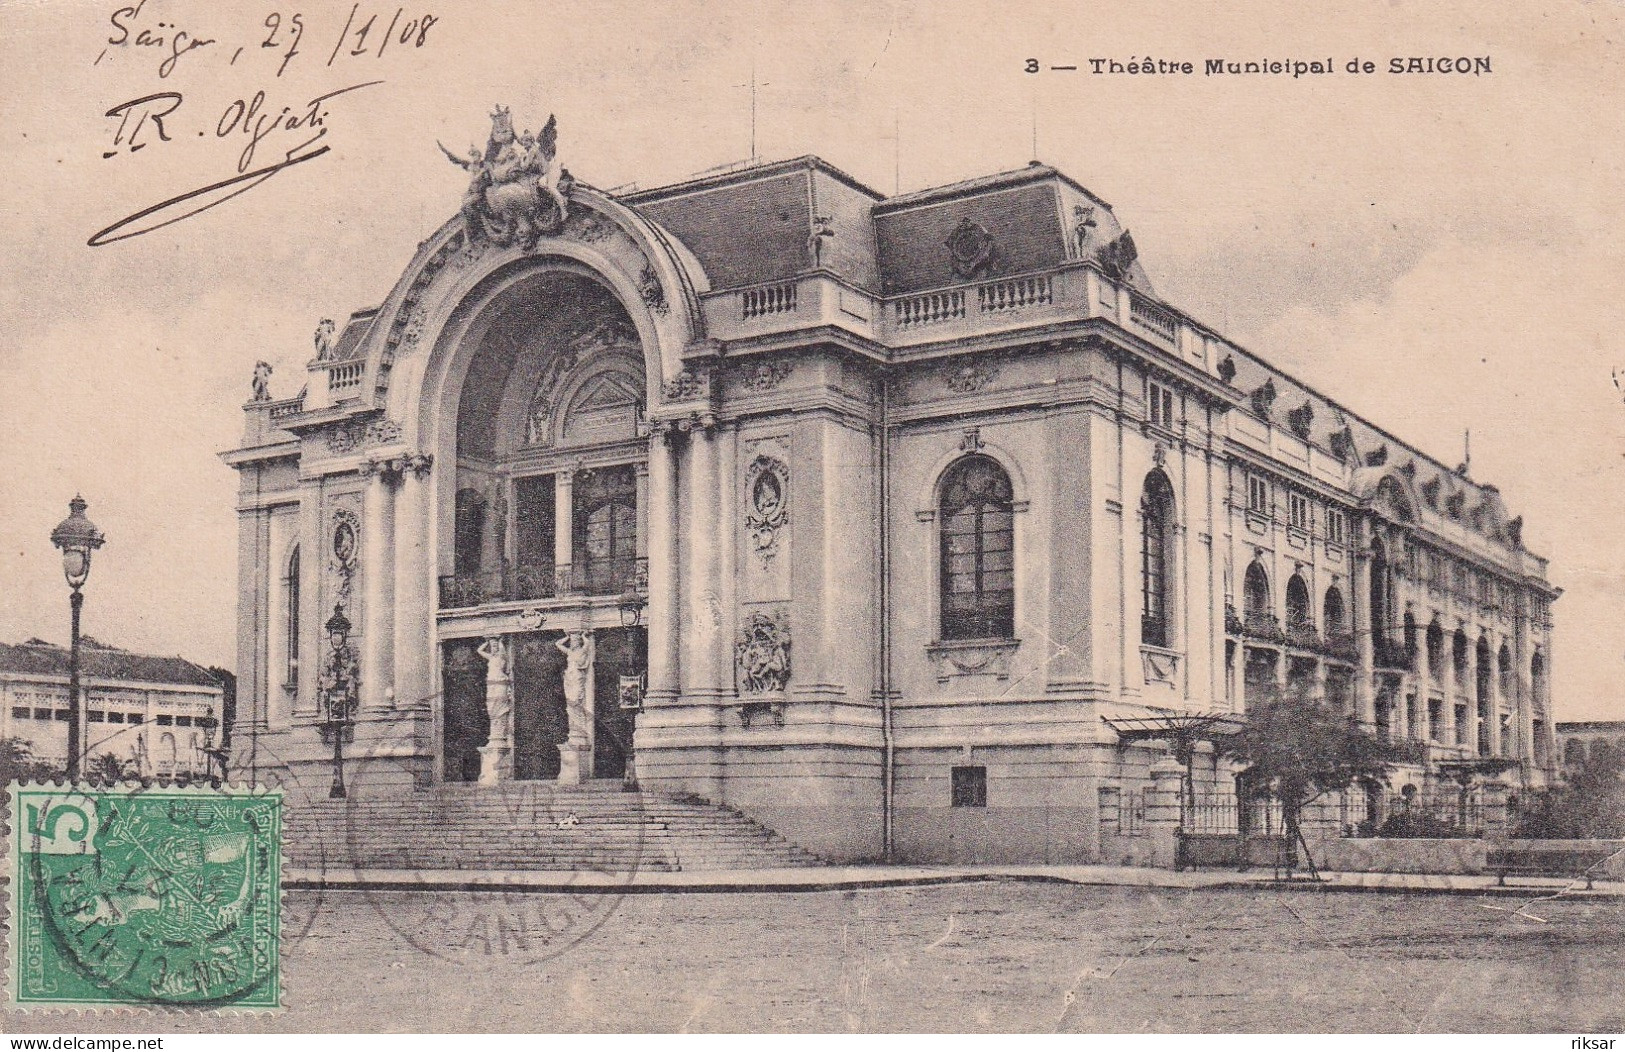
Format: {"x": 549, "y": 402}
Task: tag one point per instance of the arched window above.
{"x": 1298, "y": 611}
{"x": 1435, "y": 636}
{"x": 290, "y": 617}
{"x": 977, "y": 558}
{"x": 1156, "y": 543}
{"x": 1379, "y": 592}
{"x": 1503, "y": 666}
{"x": 1537, "y": 678}
{"x": 1332, "y": 612}
{"x": 1256, "y": 593}
{"x": 1410, "y": 640}
{"x": 1458, "y": 658}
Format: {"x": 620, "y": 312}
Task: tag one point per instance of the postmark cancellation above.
{"x": 144, "y": 897}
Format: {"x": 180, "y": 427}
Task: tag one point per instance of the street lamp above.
{"x": 77, "y": 539}
{"x": 340, "y": 690}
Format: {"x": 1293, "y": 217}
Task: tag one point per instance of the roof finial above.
{"x": 1466, "y": 454}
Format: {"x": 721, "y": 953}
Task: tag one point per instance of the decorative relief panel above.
{"x": 1161, "y": 666}
{"x": 342, "y": 540}
{"x": 766, "y": 520}
{"x": 969, "y": 377}
{"x": 980, "y": 657}
{"x": 765, "y": 376}
{"x": 763, "y": 653}
{"x": 354, "y": 434}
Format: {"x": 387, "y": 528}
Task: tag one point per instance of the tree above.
{"x": 1590, "y": 804}
{"x": 19, "y": 764}
{"x": 1299, "y": 748}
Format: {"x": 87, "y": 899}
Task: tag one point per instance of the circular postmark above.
{"x": 150, "y": 895}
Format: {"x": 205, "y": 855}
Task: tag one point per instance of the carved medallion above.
{"x": 686, "y": 385}
{"x": 767, "y": 511}
{"x": 972, "y": 249}
{"x": 654, "y": 296}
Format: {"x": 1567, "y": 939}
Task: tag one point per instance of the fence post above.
{"x": 1162, "y": 812}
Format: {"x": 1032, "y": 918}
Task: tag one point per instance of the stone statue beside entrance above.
{"x": 575, "y": 755}
{"x": 496, "y": 755}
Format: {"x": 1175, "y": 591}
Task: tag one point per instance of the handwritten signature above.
{"x": 250, "y": 118}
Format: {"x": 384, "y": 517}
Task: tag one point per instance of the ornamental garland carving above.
{"x": 649, "y": 288}
{"x": 766, "y": 376}
{"x": 767, "y": 504}
{"x": 972, "y": 249}
{"x": 969, "y": 377}
{"x": 763, "y": 653}
{"x": 347, "y": 437}
{"x": 688, "y": 384}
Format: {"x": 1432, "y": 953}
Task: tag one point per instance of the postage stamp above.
{"x": 132, "y": 896}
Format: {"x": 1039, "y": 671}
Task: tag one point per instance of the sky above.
{"x": 1436, "y": 252}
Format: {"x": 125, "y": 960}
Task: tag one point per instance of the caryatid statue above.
{"x": 496, "y": 755}
{"x": 579, "y": 650}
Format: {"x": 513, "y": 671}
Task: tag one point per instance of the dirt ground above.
{"x": 980, "y": 957}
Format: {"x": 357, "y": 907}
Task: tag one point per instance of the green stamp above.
{"x": 132, "y": 896}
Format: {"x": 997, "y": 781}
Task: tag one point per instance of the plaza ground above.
{"x": 983, "y": 956}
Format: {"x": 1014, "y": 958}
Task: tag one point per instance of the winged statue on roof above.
{"x": 516, "y": 192}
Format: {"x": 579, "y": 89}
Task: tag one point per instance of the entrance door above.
{"x": 621, "y": 652}
{"x": 465, "y": 726}
{"x": 540, "y": 724}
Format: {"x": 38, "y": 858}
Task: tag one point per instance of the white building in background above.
{"x": 154, "y": 712}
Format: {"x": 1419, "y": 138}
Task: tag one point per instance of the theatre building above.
{"x": 919, "y": 519}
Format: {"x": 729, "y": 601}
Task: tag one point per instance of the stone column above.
{"x": 702, "y": 602}
{"x": 1365, "y": 700}
{"x": 642, "y": 482}
{"x": 414, "y": 600}
{"x": 496, "y": 755}
{"x": 663, "y": 572}
{"x": 377, "y": 575}
{"x": 725, "y": 538}
{"x": 1472, "y": 699}
{"x": 564, "y": 523}
{"x": 1493, "y": 699}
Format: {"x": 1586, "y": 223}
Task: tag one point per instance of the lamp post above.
{"x": 77, "y": 539}
{"x": 340, "y": 690}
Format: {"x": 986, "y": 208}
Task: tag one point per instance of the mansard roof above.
{"x": 100, "y": 661}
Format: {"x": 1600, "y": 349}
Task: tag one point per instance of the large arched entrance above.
{"x": 544, "y": 565}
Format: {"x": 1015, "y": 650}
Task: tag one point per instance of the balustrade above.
{"x": 769, "y": 299}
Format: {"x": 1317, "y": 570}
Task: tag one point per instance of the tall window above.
{"x": 1256, "y": 592}
{"x": 1156, "y": 535}
{"x": 606, "y": 529}
{"x": 1298, "y": 510}
{"x": 470, "y": 531}
{"x": 1379, "y": 592}
{"x": 290, "y": 599}
{"x": 1258, "y": 495}
{"x": 1333, "y": 616}
{"x": 978, "y": 567}
{"x": 1162, "y": 405}
{"x": 1299, "y": 614}
{"x": 1336, "y": 526}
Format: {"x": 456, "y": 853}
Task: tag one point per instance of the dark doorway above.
{"x": 621, "y": 652}
{"x": 466, "y": 726}
{"x": 539, "y": 721}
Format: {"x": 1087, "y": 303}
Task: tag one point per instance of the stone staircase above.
{"x": 529, "y": 826}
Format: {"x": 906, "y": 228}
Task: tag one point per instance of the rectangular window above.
{"x": 45, "y": 714}
{"x": 136, "y": 717}
{"x": 61, "y": 715}
{"x": 165, "y": 719}
{"x": 970, "y": 787}
{"x": 183, "y": 721}
{"x": 534, "y": 525}
{"x": 98, "y": 716}
{"x": 1161, "y": 405}
{"x": 1258, "y": 495}
{"x": 115, "y": 717}
{"x": 605, "y": 530}
{"x": 21, "y": 712}
{"x": 1298, "y": 510}
{"x": 1336, "y": 526}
